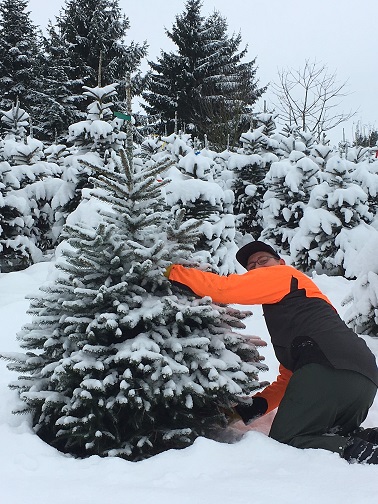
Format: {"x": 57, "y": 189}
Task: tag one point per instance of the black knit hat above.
{"x": 243, "y": 254}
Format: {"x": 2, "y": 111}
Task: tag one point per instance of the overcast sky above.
{"x": 281, "y": 33}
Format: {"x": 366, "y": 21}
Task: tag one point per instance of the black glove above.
{"x": 249, "y": 412}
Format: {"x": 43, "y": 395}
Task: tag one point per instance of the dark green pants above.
{"x": 321, "y": 406}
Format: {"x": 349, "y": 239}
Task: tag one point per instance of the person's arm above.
{"x": 274, "y": 392}
{"x": 266, "y": 401}
{"x": 260, "y": 286}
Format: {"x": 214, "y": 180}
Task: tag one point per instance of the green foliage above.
{"x": 86, "y": 47}
{"x": 289, "y": 185}
{"x": 203, "y": 88}
{"x": 249, "y": 190}
{"x": 20, "y": 59}
{"x": 250, "y": 166}
{"x": 336, "y": 207}
{"x": 119, "y": 362}
{"x": 366, "y": 140}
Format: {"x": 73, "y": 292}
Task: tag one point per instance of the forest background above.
{"x": 338, "y": 34}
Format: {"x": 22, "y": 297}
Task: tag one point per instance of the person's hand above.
{"x": 167, "y": 271}
{"x": 231, "y": 415}
{"x": 250, "y": 412}
{"x": 189, "y": 264}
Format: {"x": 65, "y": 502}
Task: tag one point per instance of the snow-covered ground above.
{"x": 255, "y": 470}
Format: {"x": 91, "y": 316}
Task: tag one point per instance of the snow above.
{"x": 187, "y": 189}
{"x": 254, "y": 470}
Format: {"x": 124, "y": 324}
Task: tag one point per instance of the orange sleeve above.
{"x": 259, "y": 286}
{"x": 274, "y": 392}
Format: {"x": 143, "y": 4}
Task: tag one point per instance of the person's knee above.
{"x": 281, "y": 436}
{"x": 287, "y": 440}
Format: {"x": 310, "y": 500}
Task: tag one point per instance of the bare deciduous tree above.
{"x": 310, "y": 98}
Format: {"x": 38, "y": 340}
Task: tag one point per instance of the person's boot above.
{"x": 370, "y": 434}
{"x": 360, "y": 451}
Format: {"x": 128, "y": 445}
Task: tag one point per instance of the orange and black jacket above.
{"x": 302, "y": 323}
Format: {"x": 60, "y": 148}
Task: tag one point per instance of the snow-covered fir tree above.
{"x": 28, "y": 187}
{"x": 336, "y": 207}
{"x": 250, "y": 166}
{"x": 365, "y": 138}
{"x": 17, "y": 248}
{"x": 362, "y": 312}
{"x": 38, "y": 188}
{"x": 291, "y": 138}
{"x": 85, "y": 47}
{"x": 100, "y": 131}
{"x": 56, "y": 153}
{"x": 365, "y": 174}
{"x": 204, "y": 85}
{"x": 260, "y": 139}
{"x": 97, "y": 139}
{"x": 195, "y": 187}
{"x": 18, "y": 147}
{"x": 358, "y": 154}
{"x": 321, "y": 152}
{"x": 119, "y": 362}
{"x": 15, "y": 122}
{"x": 20, "y": 59}
{"x": 289, "y": 183}
{"x": 249, "y": 188}
{"x": 60, "y": 105}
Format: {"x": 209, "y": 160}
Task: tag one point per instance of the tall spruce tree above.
{"x": 203, "y": 87}
{"x": 62, "y": 109}
{"x": 20, "y": 59}
{"x": 86, "y": 47}
{"x": 119, "y": 361}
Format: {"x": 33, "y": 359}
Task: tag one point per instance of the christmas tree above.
{"x": 289, "y": 183}
{"x": 85, "y": 47}
{"x": 362, "y": 300}
{"x": 119, "y": 362}
{"x": 195, "y": 186}
{"x": 337, "y": 209}
{"x": 32, "y": 194}
{"x": 20, "y": 59}
{"x": 250, "y": 166}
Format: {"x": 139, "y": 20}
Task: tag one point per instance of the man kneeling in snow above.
{"x": 328, "y": 376}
